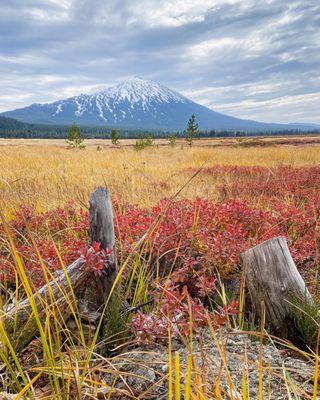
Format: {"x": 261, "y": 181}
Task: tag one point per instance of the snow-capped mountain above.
{"x": 135, "y": 103}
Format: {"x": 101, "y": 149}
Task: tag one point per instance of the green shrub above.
{"x": 144, "y": 141}
{"x": 306, "y": 319}
{"x": 75, "y": 138}
{"x": 172, "y": 141}
{"x": 114, "y": 136}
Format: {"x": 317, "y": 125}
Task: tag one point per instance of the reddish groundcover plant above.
{"x": 200, "y": 235}
{"x": 178, "y": 313}
{"x": 174, "y": 312}
{"x": 96, "y": 258}
{"x": 193, "y": 239}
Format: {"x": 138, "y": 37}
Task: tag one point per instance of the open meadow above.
{"x": 46, "y": 173}
{"x": 183, "y": 215}
{"x": 159, "y": 200}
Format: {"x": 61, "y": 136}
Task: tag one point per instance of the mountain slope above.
{"x": 136, "y": 103}
{"x": 10, "y": 123}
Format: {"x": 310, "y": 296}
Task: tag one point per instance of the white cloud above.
{"x": 248, "y": 58}
{"x": 208, "y": 50}
{"x": 298, "y": 108}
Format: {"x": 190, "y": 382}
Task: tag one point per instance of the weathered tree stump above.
{"x": 102, "y": 231}
{"x": 273, "y": 280}
{"x": 21, "y": 321}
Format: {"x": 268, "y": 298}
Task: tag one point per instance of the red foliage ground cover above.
{"x": 197, "y": 237}
{"x": 267, "y": 184}
{"x": 200, "y": 234}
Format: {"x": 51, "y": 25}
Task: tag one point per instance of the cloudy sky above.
{"x": 257, "y": 59}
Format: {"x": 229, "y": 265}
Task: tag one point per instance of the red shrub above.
{"x": 96, "y": 258}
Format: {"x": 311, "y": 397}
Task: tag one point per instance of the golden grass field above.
{"x": 44, "y": 174}
{"x": 65, "y": 363}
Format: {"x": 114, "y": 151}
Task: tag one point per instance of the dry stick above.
{"x": 161, "y": 214}
{"x": 171, "y": 199}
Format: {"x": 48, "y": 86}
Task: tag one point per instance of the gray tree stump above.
{"x": 21, "y": 320}
{"x": 102, "y": 231}
{"x": 273, "y": 280}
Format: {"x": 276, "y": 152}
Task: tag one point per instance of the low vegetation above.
{"x": 182, "y": 217}
{"x": 143, "y": 142}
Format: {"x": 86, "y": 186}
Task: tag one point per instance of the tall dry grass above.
{"x": 46, "y": 175}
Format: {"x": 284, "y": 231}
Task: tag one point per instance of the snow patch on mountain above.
{"x": 142, "y": 92}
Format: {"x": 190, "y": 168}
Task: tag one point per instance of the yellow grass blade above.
{"x": 177, "y": 386}
{"x": 27, "y": 387}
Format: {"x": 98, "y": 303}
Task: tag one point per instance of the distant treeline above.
{"x": 11, "y": 128}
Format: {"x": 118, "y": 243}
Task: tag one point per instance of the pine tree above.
{"x": 114, "y": 136}
{"x": 192, "y": 130}
{"x": 172, "y": 140}
{"x": 75, "y": 139}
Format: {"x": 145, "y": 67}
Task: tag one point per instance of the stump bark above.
{"x": 21, "y": 321}
{"x": 102, "y": 231}
{"x": 273, "y": 280}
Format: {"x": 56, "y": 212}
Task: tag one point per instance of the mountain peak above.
{"x": 134, "y": 103}
{"x": 133, "y": 81}
{"x": 136, "y": 79}
{"x": 143, "y": 91}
